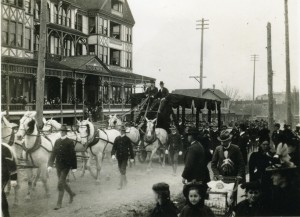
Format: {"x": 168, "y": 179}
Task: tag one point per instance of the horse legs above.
{"x": 98, "y": 167}
{"x": 36, "y": 178}
{"x": 84, "y": 164}
{"x": 44, "y": 177}
{"x": 164, "y": 159}
{"x": 29, "y": 177}
{"x": 150, "y": 160}
{"x": 88, "y": 165}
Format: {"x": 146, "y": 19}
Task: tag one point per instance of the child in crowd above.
{"x": 164, "y": 206}
{"x": 195, "y": 195}
{"x": 252, "y": 205}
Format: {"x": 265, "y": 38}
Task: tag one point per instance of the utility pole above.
{"x": 270, "y": 77}
{"x": 202, "y": 25}
{"x": 254, "y": 58}
{"x": 41, "y": 65}
{"x": 287, "y": 64}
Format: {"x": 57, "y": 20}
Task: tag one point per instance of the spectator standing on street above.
{"x": 227, "y": 159}
{"x": 121, "y": 150}
{"x": 243, "y": 142}
{"x": 195, "y": 195}
{"x": 276, "y": 135}
{"x": 195, "y": 168}
{"x": 174, "y": 149}
{"x": 164, "y": 206}
{"x": 65, "y": 157}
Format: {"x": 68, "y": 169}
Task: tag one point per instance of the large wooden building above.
{"x": 88, "y": 56}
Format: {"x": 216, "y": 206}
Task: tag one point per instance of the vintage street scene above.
{"x": 161, "y": 108}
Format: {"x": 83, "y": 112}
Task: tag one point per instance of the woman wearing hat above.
{"x": 164, "y": 206}
{"x": 227, "y": 159}
{"x": 252, "y": 205}
{"x": 283, "y": 197}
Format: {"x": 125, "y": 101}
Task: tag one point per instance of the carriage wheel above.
{"x": 142, "y": 156}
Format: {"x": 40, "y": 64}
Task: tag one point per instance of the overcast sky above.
{"x": 167, "y": 45}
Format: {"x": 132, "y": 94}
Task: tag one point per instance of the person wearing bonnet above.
{"x": 164, "y": 206}
{"x": 195, "y": 193}
{"x": 283, "y": 197}
{"x": 252, "y": 205}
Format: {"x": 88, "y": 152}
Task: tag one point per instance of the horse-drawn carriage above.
{"x": 171, "y": 110}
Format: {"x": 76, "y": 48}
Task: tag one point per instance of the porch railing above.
{"x": 31, "y": 107}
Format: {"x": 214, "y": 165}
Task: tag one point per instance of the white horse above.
{"x": 51, "y": 126}
{"x": 38, "y": 149}
{"x": 98, "y": 143}
{"x": 131, "y": 132}
{"x": 155, "y": 140}
{"x": 8, "y": 137}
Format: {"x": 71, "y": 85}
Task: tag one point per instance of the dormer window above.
{"x": 115, "y": 30}
{"x": 117, "y": 5}
{"x": 92, "y": 25}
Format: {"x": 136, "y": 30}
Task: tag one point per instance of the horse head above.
{"x": 27, "y": 125}
{"x": 150, "y": 130}
{"x": 114, "y": 121}
{"x": 51, "y": 125}
{"x": 86, "y": 131}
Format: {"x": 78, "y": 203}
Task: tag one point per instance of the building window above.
{"x": 19, "y": 35}
{"x": 92, "y": 25}
{"x": 105, "y": 93}
{"x": 92, "y": 49}
{"x": 18, "y": 3}
{"x": 117, "y": 6}
{"x": 37, "y": 11}
{"x": 27, "y": 38}
{"x": 12, "y": 36}
{"x": 128, "y": 60}
{"x": 68, "y": 47}
{"x": 115, "y": 30}
{"x": 79, "y": 49}
{"x": 68, "y": 18}
{"x": 115, "y": 57}
{"x": 78, "y": 24}
{"x": 103, "y": 54}
{"x": 4, "y": 29}
{"x": 28, "y": 6}
{"x": 116, "y": 94}
{"x": 128, "y": 92}
{"x": 36, "y": 43}
{"x": 103, "y": 26}
{"x": 55, "y": 14}
{"x": 56, "y": 46}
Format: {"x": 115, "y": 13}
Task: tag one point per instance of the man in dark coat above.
{"x": 152, "y": 90}
{"x": 174, "y": 149}
{"x": 227, "y": 159}
{"x": 276, "y": 135}
{"x": 65, "y": 157}
{"x": 243, "y": 142}
{"x": 121, "y": 150}
{"x": 163, "y": 92}
{"x": 195, "y": 161}
{"x": 9, "y": 172}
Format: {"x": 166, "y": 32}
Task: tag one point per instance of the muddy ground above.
{"x": 100, "y": 200}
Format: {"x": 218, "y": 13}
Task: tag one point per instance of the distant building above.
{"x": 278, "y": 97}
{"x": 88, "y": 56}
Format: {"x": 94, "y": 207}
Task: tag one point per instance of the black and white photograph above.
{"x": 139, "y": 108}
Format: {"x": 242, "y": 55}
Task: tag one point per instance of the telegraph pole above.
{"x": 202, "y": 25}
{"x": 287, "y": 64}
{"x": 254, "y": 58}
{"x": 41, "y": 65}
{"x": 270, "y": 77}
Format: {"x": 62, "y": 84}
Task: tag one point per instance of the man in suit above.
{"x": 227, "y": 159}
{"x": 121, "y": 150}
{"x": 195, "y": 168}
{"x": 9, "y": 172}
{"x": 152, "y": 90}
{"x": 174, "y": 149}
{"x": 243, "y": 142}
{"x": 276, "y": 135}
{"x": 163, "y": 92}
{"x": 65, "y": 157}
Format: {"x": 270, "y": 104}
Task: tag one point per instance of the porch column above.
{"x": 83, "y": 82}
{"x": 197, "y": 117}
{"x": 183, "y": 116}
{"x": 74, "y": 86}
{"x": 60, "y": 96}
{"x": 219, "y": 115}
{"x": 101, "y": 88}
{"x": 7, "y": 96}
{"x": 209, "y": 116}
{"x": 133, "y": 87}
{"x": 109, "y": 95}
{"x": 123, "y": 95}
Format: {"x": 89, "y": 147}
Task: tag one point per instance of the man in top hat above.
{"x": 65, "y": 157}
{"x": 163, "y": 92}
{"x": 195, "y": 168}
{"x": 227, "y": 159}
{"x": 121, "y": 150}
{"x": 276, "y": 135}
{"x": 152, "y": 90}
{"x": 174, "y": 149}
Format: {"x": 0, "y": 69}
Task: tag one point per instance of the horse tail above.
{"x": 12, "y": 151}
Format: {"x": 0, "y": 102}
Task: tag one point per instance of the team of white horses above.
{"x": 35, "y": 146}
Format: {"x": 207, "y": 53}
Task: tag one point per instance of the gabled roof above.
{"x": 196, "y": 92}
{"x": 81, "y": 63}
{"x": 104, "y": 6}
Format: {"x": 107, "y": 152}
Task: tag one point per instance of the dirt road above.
{"x": 97, "y": 200}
